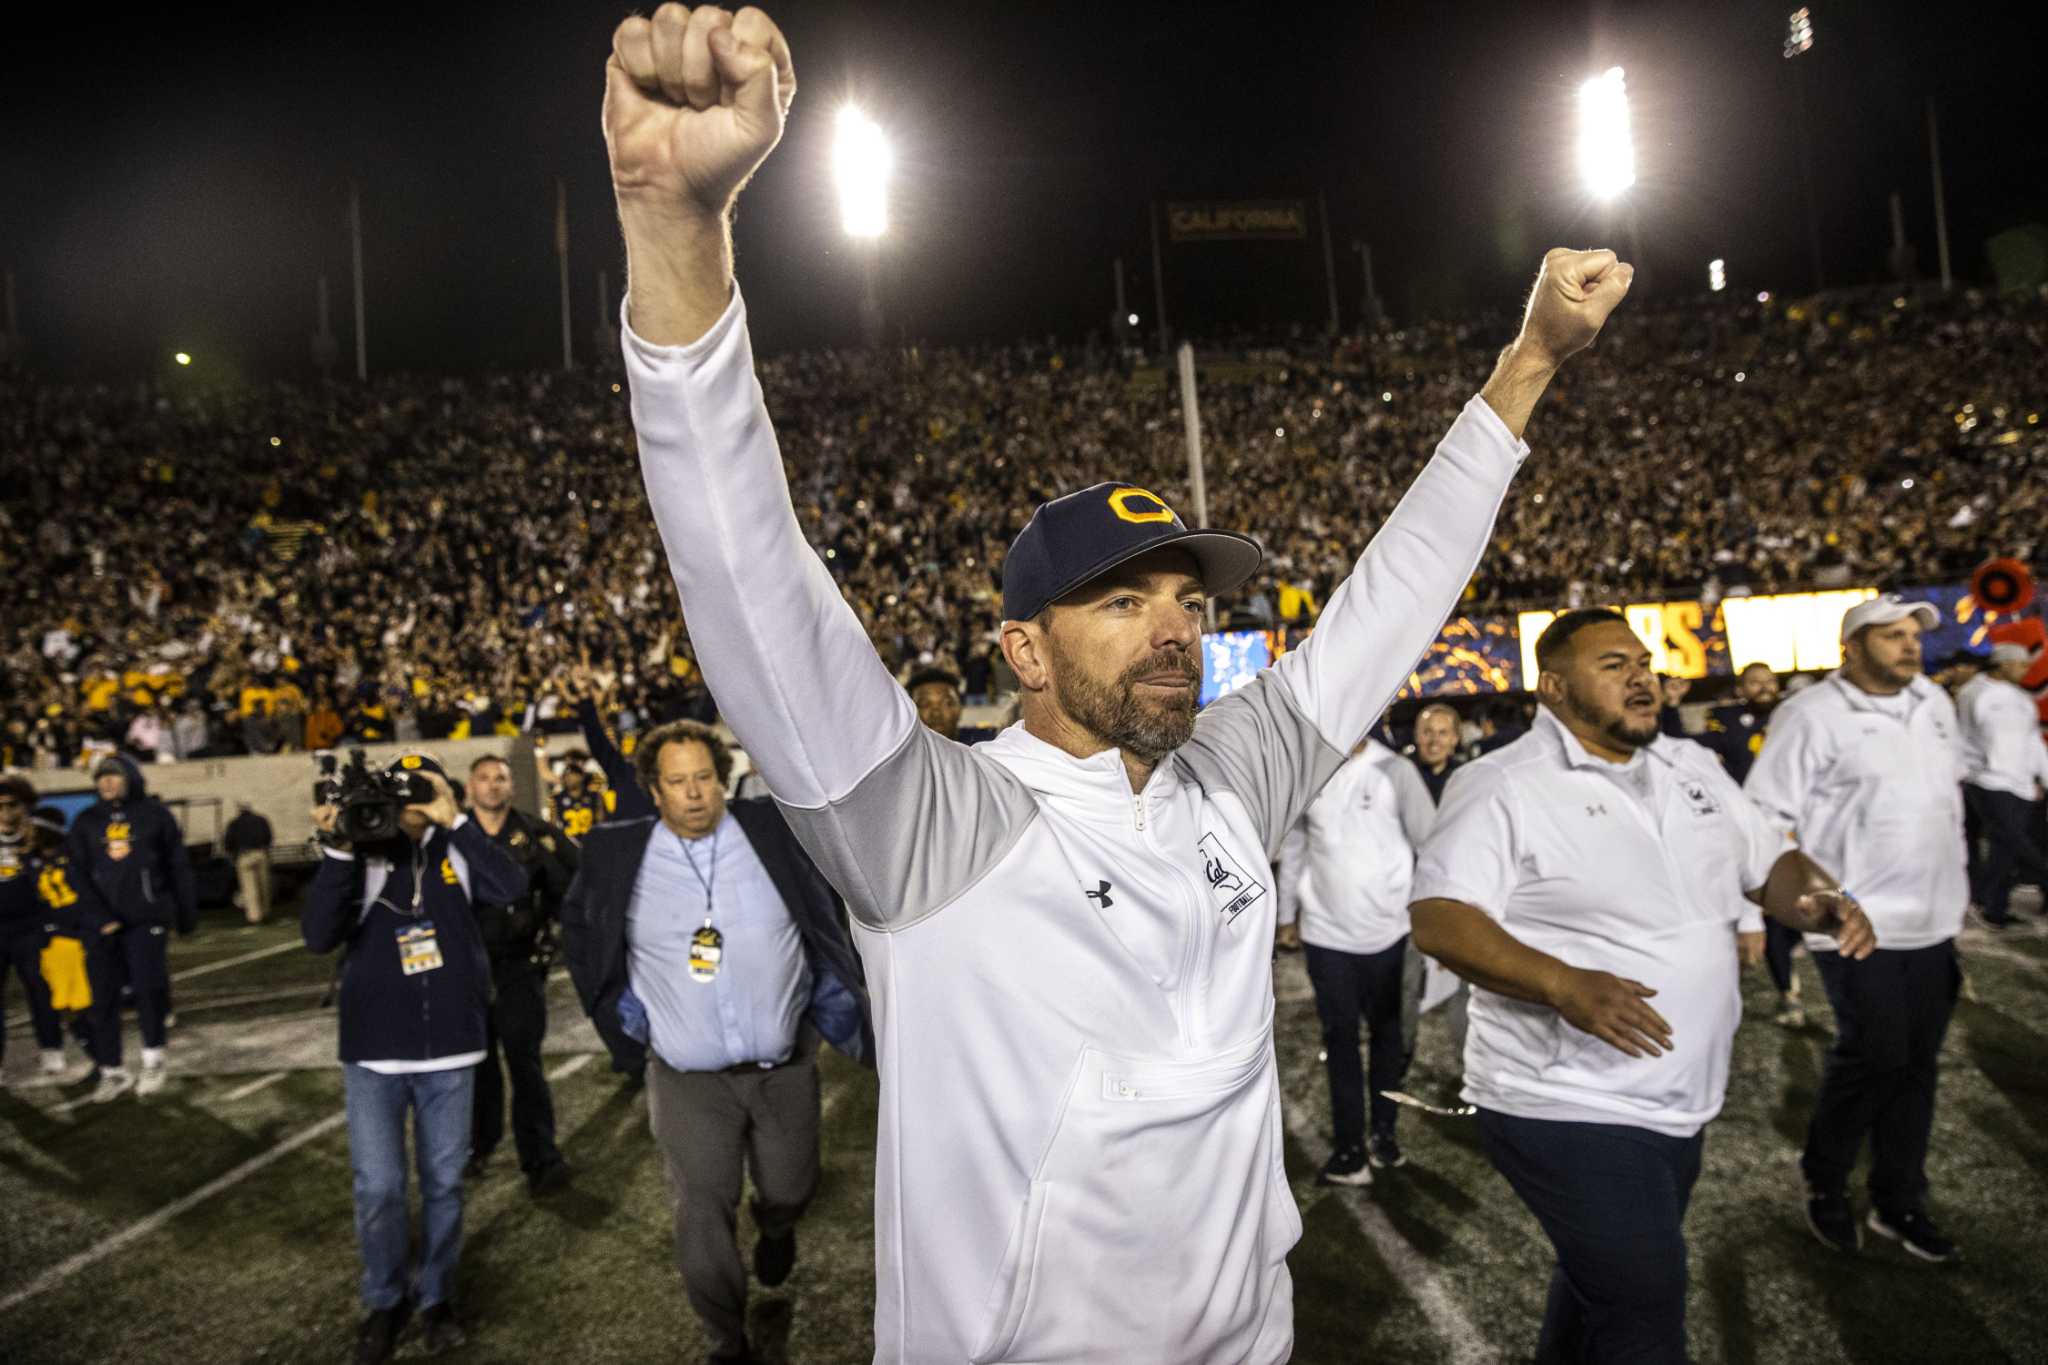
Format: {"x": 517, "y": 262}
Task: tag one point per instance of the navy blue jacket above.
{"x": 594, "y": 923}
{"x": 40, "y": 894}
{"x": 133, "y": 854}
{"x": 1735, "y": 731}
{"x": 385, "y": 1014}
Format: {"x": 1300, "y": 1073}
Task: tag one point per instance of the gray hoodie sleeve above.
{"x": 1276, "y": 741}
{"x": 898, "y": 819}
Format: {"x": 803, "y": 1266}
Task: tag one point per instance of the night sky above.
{"x": 177, "y": 178}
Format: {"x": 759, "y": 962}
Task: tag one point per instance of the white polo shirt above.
{"x": 1638, "y": 869}
{"x": 2002, "y": 746}
{"x": 1872, "y": 787}
{"x": 1347, "y": 865}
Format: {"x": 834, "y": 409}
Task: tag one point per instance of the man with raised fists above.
{"x": 1067, "y": 930}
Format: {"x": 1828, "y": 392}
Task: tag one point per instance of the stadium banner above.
{"x": 1796, "y": 632}
{"x": 1274, "y": 220}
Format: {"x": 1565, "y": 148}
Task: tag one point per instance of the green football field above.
{"x": 212, "y": 1222}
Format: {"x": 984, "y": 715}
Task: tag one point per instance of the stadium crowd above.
{"x": 293, "y": 565}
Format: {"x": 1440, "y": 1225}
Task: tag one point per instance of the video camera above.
{"x": 368, "y": 800}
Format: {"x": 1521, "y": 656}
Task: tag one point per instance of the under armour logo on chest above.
{"x": 1101, "y": 894}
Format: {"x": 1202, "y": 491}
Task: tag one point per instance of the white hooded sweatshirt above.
{"x": 1079, "y": 1146}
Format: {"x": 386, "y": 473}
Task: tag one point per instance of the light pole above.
{"x": 1799, "y": 42}
{"x": 861, "y": 162}
{"x": 1607, "y": 149}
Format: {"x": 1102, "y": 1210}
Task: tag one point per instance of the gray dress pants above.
{"x": 712, "y": 1126}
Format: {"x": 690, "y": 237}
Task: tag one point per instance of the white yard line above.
{"x": 1993, "y": 953}
{"x": 572, "y": 1066}
{"x": 254, "y": 955}
{"x": 243, "y": 1092}
{"x": 134, "y": 1232}
{"x": 1463, "y": 1342}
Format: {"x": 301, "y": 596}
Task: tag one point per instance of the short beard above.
{"x": 1113, "y": 712}
{"x": 1621, "y": 730}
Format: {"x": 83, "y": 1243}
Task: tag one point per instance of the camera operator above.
{"x": 519, "y": 938}
{"x": 415, "y": 997}
{"x": 129, "y": 846}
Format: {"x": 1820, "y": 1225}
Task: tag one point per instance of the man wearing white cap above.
{"x": 2006, "y": 769}
{"x": 1866, "y": 769}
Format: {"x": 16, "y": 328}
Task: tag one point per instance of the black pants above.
{"x": 1779, "y": 941}
{"x": 137, "y": 957}
{"x": 1891, "y": 1013}
{"x": 21, "y": 949}
{"x": 518, "y": 1023}
{"x": 1612, "y": 1200}
{"x": 2006, "y": 848}
{"x": 1350, "y": 987}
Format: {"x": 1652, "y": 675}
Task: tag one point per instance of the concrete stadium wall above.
{"x": 279, "y": 787}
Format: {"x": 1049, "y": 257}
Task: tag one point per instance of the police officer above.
{"x": 1735, "y": 730}
{"x": 520, "y": 939}
{"x": 129, "y": 846}
{"x": 1866, "y": 769}
{"x": 1589, "y": 880}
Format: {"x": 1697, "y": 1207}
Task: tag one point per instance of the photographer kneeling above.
{"x": 396, "y": 894}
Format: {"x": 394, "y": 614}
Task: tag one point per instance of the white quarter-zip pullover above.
{"x": 1872, "y": 788}
{"x": 2002, "y": 746}
{"x": 1078, "y": 1154}
{"x": 1346, "y": 866}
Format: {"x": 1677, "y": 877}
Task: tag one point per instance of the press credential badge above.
{"x": 418, "y": 949}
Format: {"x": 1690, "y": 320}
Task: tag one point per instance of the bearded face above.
{"x": 1146, "y": 709}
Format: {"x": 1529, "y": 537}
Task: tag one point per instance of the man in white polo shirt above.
{"x": 1575, "y": 876}
{"x": 2005, "y": 770}
{"x": 1345, "y": 869}
{"x": 1865, "y": 768}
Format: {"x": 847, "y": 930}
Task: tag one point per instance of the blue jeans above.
{"x": 440, "y": 1102}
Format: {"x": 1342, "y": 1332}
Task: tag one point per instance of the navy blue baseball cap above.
{"x": 416, "y": 762}
{"x": 1086, "y": 534}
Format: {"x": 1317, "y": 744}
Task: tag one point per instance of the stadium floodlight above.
{"x": 861, "y": 161}
{"x": 1799, "y": 33}
{"x": 1607, "y": 156}
{"x": 1717, "y": 275}
{"x": 182, "y": 358}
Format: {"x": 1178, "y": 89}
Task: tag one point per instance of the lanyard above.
{"x": 708, "y": 883}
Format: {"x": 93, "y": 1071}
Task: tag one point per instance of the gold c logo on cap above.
{"x": 409, "y": 761}
{"x": 1119, "y": 500}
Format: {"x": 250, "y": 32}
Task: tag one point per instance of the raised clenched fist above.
{"x": 694, "y": 100}
{"x": 1571, "y": 301}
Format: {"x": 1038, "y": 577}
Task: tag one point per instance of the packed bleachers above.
{"x": 285, "y": 566}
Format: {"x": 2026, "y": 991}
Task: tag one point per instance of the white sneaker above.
{"x": 113, "y": 1081}
{"x": 53, "y": 1061}
{"x": 170, "y": 1018}
{"x": 152, "y": 1079}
